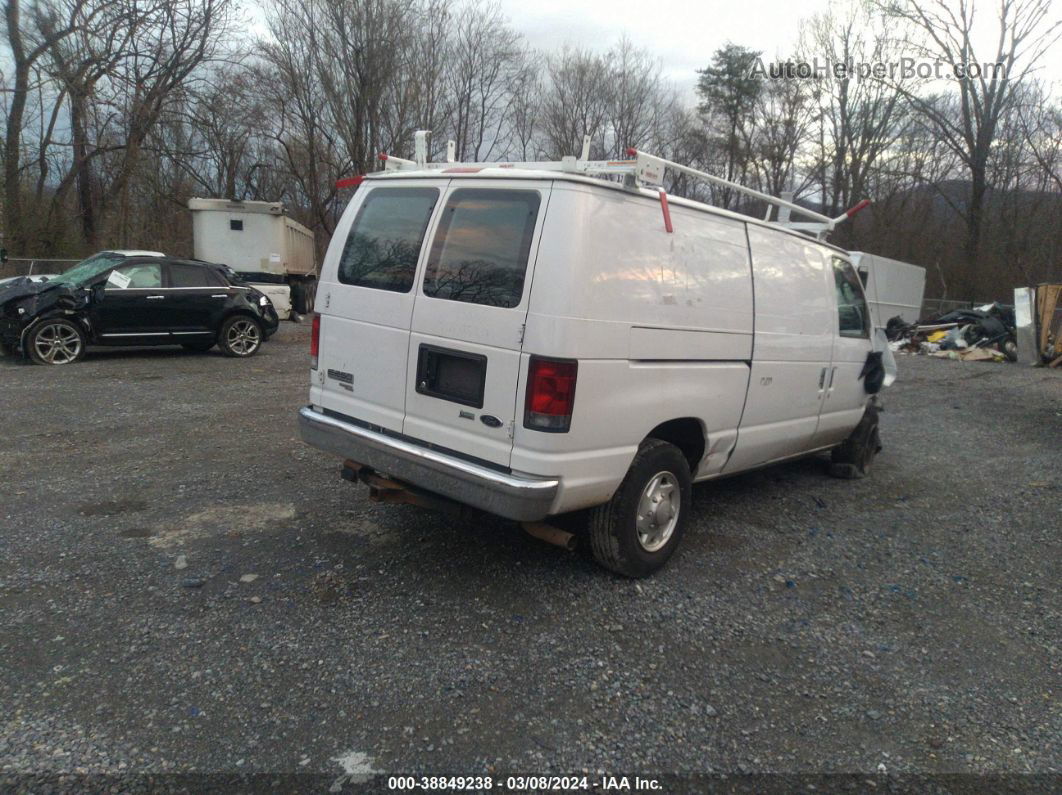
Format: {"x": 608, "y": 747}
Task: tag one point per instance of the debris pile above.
{"x": 986, "y": 333}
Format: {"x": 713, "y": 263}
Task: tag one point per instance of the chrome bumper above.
{"x": 524, "y": 499}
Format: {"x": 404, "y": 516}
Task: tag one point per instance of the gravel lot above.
{"x": 186, "y": 588}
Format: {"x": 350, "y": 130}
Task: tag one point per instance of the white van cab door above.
{"x": 845, "y": 398}
{"x": 463, "y": 366}
{"x": 366, "y": 298}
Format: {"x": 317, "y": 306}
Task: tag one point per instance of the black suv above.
{"x": 113, "y": 298}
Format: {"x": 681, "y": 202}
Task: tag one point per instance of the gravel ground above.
{"x": 186, "y": 588}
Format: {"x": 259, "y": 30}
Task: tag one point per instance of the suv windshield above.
{"x": 88, "y": 268}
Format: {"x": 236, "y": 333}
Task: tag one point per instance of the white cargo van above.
{"x": 533, "y": 342}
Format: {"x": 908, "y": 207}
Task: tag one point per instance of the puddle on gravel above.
{"x": 110, "y": 507}
{"x": 137, "y": 532}
{"x": 240, "y": 518}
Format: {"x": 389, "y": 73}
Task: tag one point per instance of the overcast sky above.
{"x": 683, "y": 34}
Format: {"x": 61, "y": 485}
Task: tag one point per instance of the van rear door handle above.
{"x": 822, "y": 378}
{"x": 833, "y": 372}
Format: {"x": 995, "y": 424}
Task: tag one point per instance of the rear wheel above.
{"x": 855, "y": 455}
{"x": 638, "y": 530}
{"x": 55, "y": 341}
{"x": 240, "y": 336}
{"x": 303, "y": 294}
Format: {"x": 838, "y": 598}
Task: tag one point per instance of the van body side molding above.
{"x": 512, "y": 496}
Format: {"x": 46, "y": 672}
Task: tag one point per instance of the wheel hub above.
{"x": 243, "y": 337}
{"x": 57, "y": 344}
{"x": 658, "y": 510}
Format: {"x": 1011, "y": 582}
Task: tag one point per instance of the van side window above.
{"x": 481, "y": 249}
{"x": 384, "y": 241}
{"x": 854, "y": 320}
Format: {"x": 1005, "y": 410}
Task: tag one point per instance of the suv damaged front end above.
{"x": 24, "y": 301}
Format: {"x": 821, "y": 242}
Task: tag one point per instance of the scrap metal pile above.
{"x": 986, "y": 333}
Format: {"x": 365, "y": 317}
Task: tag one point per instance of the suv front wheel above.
{"x": 240, "y": 336}
{"x": 638, "y": 530}
{"x": 55, "y": 341}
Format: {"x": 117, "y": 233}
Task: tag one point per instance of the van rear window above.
{"x": 384, "y": 241}
{"x": 480, "y": 251}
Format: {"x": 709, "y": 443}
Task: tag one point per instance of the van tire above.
{"x": 854, "y": 457}
{"x": 614, "y": 533}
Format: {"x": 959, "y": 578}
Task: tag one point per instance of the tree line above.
{"x": 118, "y": 111}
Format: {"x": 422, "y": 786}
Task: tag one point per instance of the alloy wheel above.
{"x": 57, "y": 343}
{"x": 243, "y": 337}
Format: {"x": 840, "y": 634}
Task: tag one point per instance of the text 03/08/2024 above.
{"x": 523, "y": 783}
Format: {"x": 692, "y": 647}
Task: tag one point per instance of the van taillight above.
{"x": 315, "y": 340}
{"x": 550, "y": 394}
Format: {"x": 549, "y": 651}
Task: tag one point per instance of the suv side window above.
{"x": 192, "y": 276}
{"x": 132, "y": 277}
{"x": 853, "y": 317}
{"x": 385, "y": 239}
{"x": 481, "y": 249}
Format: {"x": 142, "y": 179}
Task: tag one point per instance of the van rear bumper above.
{"x": 523, "y": 498}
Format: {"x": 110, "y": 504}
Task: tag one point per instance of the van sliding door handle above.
{"x": 822, "y": 378}
{"x": 833, "y": 372}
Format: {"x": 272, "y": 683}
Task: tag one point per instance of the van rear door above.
{"x": 367, "y": 301}
{"x": 463, "y": 366}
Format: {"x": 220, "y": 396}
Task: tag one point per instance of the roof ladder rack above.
{"x": 643, "y": 169}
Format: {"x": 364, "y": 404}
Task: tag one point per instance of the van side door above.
{"x": 463, "y": 367}
{"x": 791, "y": 348}
{"x": 845, "y": 398}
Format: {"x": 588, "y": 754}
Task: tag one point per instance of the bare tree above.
{"x": 29, "y": 41}
{"x": 638, "y": 99}
{"x": 862, "y": 114}
{"x": 485, "y": 54}
{"x": 783, "y": 117}
{"x": 525, "y": 103}
{"x": 575, "y": 102}
{"x": 1025, "y": 29}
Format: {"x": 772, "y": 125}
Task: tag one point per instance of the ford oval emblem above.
{"x": 490, "y": 421}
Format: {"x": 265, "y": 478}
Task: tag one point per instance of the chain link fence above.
{"x": 931, "y": 307}
{"x": 25, "y": 266}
